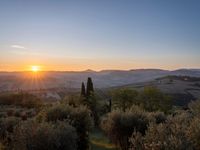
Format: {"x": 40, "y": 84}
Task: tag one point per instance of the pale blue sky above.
{"x": 104, "y": 34}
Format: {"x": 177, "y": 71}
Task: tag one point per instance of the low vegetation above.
{"x": 44, "y": 136}
{"x": 119, "y": 126}
{"x": 128, "y": 120}
{"x": 151, "y": 99}
{"x": 20, "y": 99}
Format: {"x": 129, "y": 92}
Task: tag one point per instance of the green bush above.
{"x": 17, "y": 113}
{"x": 78, "y": 117}
{"x": 58, "y": 112}
{"x": 119, "y": 126}
{"x": 124, "y": 98}
{"x": 72, "y": 100}
{"x": 194, "y": 132}
{"x": 7, "y": 126}
{"x": 20, "y": 99}
{"x": 166, "y": 136}
{"x": 44, "y": 136}
{"x": 194, "y": 107}
{"x": 10, "y": 112}
{"x": 157, "y": 117}
{"x": 152, "y": 99}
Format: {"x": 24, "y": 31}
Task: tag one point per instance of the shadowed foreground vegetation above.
{"x": 129, "y": 120}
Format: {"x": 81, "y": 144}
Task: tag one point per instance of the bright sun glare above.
{"x": 35, "y": 68}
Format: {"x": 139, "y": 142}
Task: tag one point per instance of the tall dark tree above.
{"x": 110, "y": 104}
{"x": 90, "y": 88}
{"x": 83, "y": 92}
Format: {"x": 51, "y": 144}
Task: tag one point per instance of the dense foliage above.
{"x": 20, "y": 99}
{"x": 168, "y": 135}
{"x": 137, "y": 129}
{"x": 124, "y": 98}
{"x": 78, "y": 117}
{"x": 7, "y": 126}
{"x": 44, "y": 136}
{"x": 90, "y": 88}
{"x": 89, "y": 99}
{"x": 138, "y": 120}
{"x": 150, "y": 98}
{"x": 119, "y": 126}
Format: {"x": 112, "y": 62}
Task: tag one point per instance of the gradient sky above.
{"x": 103, "y": 34}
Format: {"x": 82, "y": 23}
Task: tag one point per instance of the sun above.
{"x": 35, "y": 68}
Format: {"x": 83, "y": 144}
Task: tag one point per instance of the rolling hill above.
{"x": 10, "y": 81}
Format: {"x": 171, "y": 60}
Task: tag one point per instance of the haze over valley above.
{"x": 11, "y": 81}
{"x": 53, "y": 85}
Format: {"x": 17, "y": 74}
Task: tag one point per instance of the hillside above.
{"x": 107, "y": 78}
{"x": 183, "y": 89}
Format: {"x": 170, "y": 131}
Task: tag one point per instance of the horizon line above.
{"x": 92, "y": 70}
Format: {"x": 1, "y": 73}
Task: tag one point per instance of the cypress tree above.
{"x": 90, "y": 88}
{"x": 110, "y": 104}
{"x": 83, "y": 89}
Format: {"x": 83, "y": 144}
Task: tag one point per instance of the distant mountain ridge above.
{"x": 101, "y": 79}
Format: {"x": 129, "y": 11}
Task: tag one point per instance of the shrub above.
{"x": 194, "y": 132}
{"x": 20, "y": 99}
{"x": 58, "y": 112}
{"x": 10, "y": 112}
{"x": 3, "y": 115}
{"x": 124, "y": 98}
{"x": 157, "y": 117}
{"x": 194, "y": 107}
{"x": 24, "y": 116}
{"x": 152, "y": 99}
{"x": 72, "y": 100}
{"x": 7, "y": 126}
{"x": 41, "y": 116}
{"x": 165, "y": 136}
{"x": 31, "y": 113}
{"x": 44, "y": 136}
{"x": 81, "y": 120}
{"x": 17, "y": 113}
{"x": 119, "y": 126}
{"x": 78, "y": 117}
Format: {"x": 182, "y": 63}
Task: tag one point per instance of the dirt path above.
{"x": 99, "y": 141}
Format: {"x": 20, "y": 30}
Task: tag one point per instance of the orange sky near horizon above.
{"x": 16, "y": 62}
{"x": 97, "y": 66}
